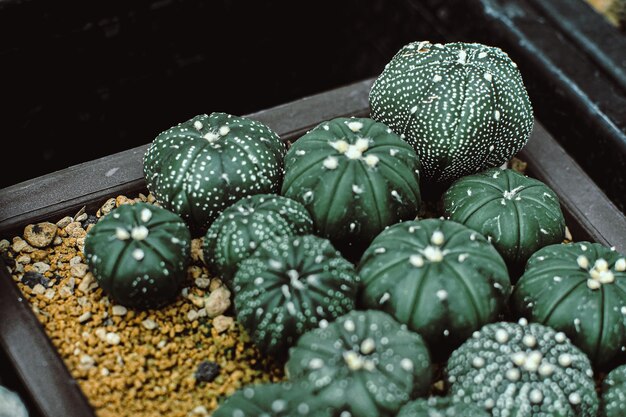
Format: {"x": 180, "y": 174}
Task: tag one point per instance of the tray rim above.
{"x": 589, "y": 213}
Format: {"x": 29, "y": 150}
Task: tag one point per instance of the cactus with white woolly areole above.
{"x": 440, "y": 407}
{"x": 614, "y": 393}
{"x": 364, "y": 364}
{"x": 198, "y": 168}
{"x": 277, "y": 400}
{"x": 580, "y": 289}
{"x": 242, "y": 227}
{"x": 463, "y": 106}
{"x": 440, "y": 278}
{"x": 289, "y": 286}
{"x": 519, "y": 214}
{"x": 523, "y": 370}
{"x": 355, "y": 176}
{"x": 139, "y": 254}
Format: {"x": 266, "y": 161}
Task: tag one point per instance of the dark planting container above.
{"x": 108, "y": 59}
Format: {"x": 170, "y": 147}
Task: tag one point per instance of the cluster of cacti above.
{"x": 359, "y": 341}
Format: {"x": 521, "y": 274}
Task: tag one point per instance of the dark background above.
{"x": 82, "y": 79}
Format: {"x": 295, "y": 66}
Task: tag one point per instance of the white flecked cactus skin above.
{"x": 463, "y": 107}
{"x": 523, "y": 370}
{"x": 614, "y": 393}
{"x": 198, "y": 168}
{"x": 364, "y": 364}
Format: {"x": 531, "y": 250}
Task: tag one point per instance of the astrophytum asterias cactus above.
{"x": 463, "y": 106}
{"x": 580, "y": 289}
{"x": 364, "y": 364}
{"x": 614, "y": 393}
{"x": 355, "y": 176}
{"x": 440, "y": 278}
{"x": 201, "y": 166}
{"x": 523, "y": 370}
{"x": 519, "y": 214}
{"x": 139, "y": 254}
{"x": 289, "y": 286}
{"x": 441, "y": 407}
{"x": 276, "y": 400}
{"x": 242, "y": 227}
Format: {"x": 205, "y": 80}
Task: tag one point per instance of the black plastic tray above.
{"x": 51, "y": 391}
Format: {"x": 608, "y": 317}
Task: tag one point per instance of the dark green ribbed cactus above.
{"x": 275, "y": 400}
{"x": 440, "y": 278}
{"x": 462, "y": 106}
{"x": 364, "y": 364}
{"x": 614, "y": 393}
{"x": 523, "y": 370}
{"x": 441, "y": 407}
{"x": 139, "y": 254}
{"x": 201, "y": 166}
{"x": 242, "y": 227}
{"x": 289, "y": 286}
{"x": 355, "y": 176}
{"x": 580, "y": 289}
{"x": 519, "y": 214}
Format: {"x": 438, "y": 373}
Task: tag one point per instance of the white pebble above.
{"x": 119, "y": 310}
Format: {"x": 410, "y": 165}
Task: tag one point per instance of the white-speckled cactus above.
{"x": 580, "y": 289}
{"x": 201, "y": 166}
{"x": 275, "y": 400}
{"x": 289, "y": 286}
{"x": 139, "y": 254}
{"x": 614, "y": 393}
{"x": 441, "y": 407}
{"x": 440, "y": 278}
{"x": 463, "y": 107}
{"x": 364, "y": 364}
{"x": 242, "y": 227}
{"x": 356, "y": 177}
{"x": 523, "y": 370}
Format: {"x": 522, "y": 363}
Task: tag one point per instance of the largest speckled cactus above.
{"x": 201, "y": 166}
{"x": 355, "y": 176}
{"x": 139, "y": 254}
{"x": 523, "y": 370}
{"x": 463, "y": 107}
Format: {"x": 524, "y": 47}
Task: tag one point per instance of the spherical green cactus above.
{"x": 201, "y": 166}
{"x": 275, "y": 400}
{"x": 440, "y": 278}
{"x": 139, "y": 254}
{"x": 463, "y": 107}
{"x": 241, "y": 228}
{"x": 519, "y": 214}
{"x": 579, "y": 289}
{"x": 355, "y": 176}
{"x": 289, "y": 286}
{"x": 440, "y": 407}
{"x": 523, "y": 370}
{"x": 614, "y": 393}
{"x": 364, "y": 364}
